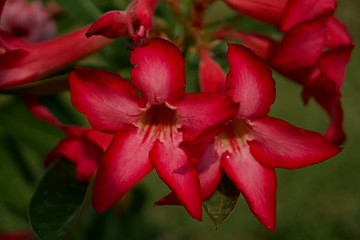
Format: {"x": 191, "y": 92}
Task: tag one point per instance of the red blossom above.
{"x": 149, "y": 129}
{"x": 314, "y": 51}
{"x": 253, "y": 144}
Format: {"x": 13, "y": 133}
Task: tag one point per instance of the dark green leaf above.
{"x": 222, "y": 203}
{"x": 56, "y": 203}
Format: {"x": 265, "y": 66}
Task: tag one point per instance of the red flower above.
{"x": 314, "y": 51}
{"x": 84, "y": 147}
{"x": 149, "y": 130}
{"x": 253, "y": 144}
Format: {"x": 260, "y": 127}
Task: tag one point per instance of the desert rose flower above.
{"x": 253, "y": 144}
{"x": 314, "y": 50}
{"x": 151, "y": 129}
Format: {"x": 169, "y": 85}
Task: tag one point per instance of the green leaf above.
{"x": 56, "y": 204}
{"x": 222, "y": 203}
{"x": 84, "y": 10}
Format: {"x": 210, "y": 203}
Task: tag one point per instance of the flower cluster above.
{"x": 192, "y": 140}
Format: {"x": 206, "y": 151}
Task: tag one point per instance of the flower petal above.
{"x": 144, "y": 11}
{"x": 333, "y": 64}
{"x": 337, "y": 34}
{"x": 262, "y": 45}
{"x": 301, "y": 46}
{"x": 84, "y": 154}
{"x": 102, "y": 140}
{"x": 278, "y": 144}
{"x": 264, "y": 10}
{"x": 332, "y": 105}
{"x": 175, "y": 169}
{"x": 298, "y": 11}
{"x": 159, "y": 71}
{"x": 249, "y": 82}
{"x": 109, "y": 102}
{"x": 124, "y": 164}
{"x": 209, "y": 175}
{"x": 256, "y": 182}
{"x": 40, "y": 111}
{"x": 211, "y": 75}
{"x": 201, "y": 111}
{"x": 209, "y": 170}
{"x": 112, "y": 24}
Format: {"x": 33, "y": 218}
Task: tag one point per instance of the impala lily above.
{"x": 83, "y": 147}
{"x": 150, "y": 131}
{"x": 253, "y": 144}
{"x": 314, "y": 51}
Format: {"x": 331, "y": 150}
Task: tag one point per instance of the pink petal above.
{"x": 159, "y": 71}
{"x": 209, "y": 174}
{"x": 333, "y": 64}
{"x": 256, "y": 182}
{"x": 262, "y": 45}
{"x": 175, "y": 169}
{"x": 209, "y": 170}
{"x": 277, "y": 144}
{"x": 170, "y": 199}
{"x": 202, "y": 111}
{"x": 249, "y": 82}
{"x": 112, "y": 24}
{"x": 40, "y": 111}
{"x": 66, "y": 148}
{"x": 103, "y": 140}
{"x": 264, "y": 10}
{"x": 85, "y": 155}
{"x": 211, "y": 75}
{"x": 88, "y": 160}
{"x": 337, "y": 34}
{"x": 109, "y": 102}
{"x": 332, "y": 106}
{"x": 2, "y": 3}
{"x": 301, "y": 46}
{"x": 298, "y": 11}
{"x": 124, "y": 164}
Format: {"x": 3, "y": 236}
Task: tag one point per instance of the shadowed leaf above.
{"x": 57, "y": 202}
{"x": 222, "y": 203}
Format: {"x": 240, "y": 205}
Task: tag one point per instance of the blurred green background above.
{"x": 318, "y": 202}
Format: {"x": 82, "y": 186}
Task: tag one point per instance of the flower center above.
{"x": 159, "y": 122}
{"x": 234, "y": 137}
